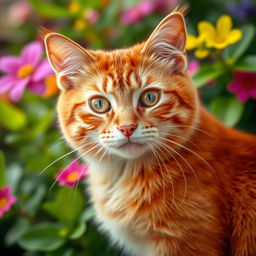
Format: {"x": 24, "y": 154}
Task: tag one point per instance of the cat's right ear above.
{"x": 66, "y": 57}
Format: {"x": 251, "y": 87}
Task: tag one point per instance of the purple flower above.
{"x": 91, "y": 15}
{"x": 243, "y": 85}
{"x": 26, "y": 71}
{"x": 242, "y": 10}
{"x": 6, "y": 200}
{"x": 71, "y": 174}
{"x": 134, "y": 13}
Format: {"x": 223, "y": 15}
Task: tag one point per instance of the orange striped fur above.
{"x": 166, "y": 179}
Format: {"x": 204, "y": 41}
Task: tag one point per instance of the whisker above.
{"x": 183, "y": 173}
{"x": 71, "y": 164}
{"x": 188, "y": 149}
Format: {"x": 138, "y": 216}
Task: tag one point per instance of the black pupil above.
{"x": 151, "y": 97}
{"x": 99, "y": 104}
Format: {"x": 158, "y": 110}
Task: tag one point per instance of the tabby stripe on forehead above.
{"x": 128, "y": 77}
{"x": 70, "y": 117}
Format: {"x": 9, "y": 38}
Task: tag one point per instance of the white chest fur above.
{"x": 113, "y": 197}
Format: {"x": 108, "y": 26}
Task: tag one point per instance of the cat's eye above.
{"x": 100, "y": 105}
{"x": 149, "y": 98}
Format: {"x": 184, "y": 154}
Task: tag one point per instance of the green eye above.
{"x": 149, "y": 98}
{"x": 100, "y": 105}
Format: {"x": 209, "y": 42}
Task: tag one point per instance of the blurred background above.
{"x": 43, "y": 208}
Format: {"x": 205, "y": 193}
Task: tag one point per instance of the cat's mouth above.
{"x": 129, "y": 145}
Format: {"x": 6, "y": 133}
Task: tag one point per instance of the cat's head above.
{"x": 129, "y": 103}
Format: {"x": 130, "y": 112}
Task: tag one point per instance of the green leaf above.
{"x": 227, "y": 109}
{"x": 16, "y": 231}
{"x": 87, "y": 214}
{"x": 235, "y": 51}
{"x": 78, "y": 231}
{"x": 207, "y": 73}
{"x": 49, "y": 10}
{"x": 67, "y": 206}
{"x": 35, "y": 199}
{"x": 2, "y": 170}
{"x": 247, "y": 63}
{"x": 42, "y": 237}
{"x": 14, "y": 174}
{"x": 11, "y": 117}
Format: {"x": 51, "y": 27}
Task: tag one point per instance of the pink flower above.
{"x": 193, "y": 67}
{"x": 136, "y": 12}
{"x": 91, "y": 15}
{"x": 26, "y": 71}
{"x": 243, "y": 85}
{"x": 6, "y": 200}
{"x": 19, "y": 12}
{"x": 71, "y": 174}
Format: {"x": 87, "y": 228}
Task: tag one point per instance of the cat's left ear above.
{"x": 168, "y": 41}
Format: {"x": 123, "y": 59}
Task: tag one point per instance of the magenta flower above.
{"x": 91, "y": 15}
{"x": 137, "y": 12}
{"x": 193, "y": 67}
{"x": 26, "y": 71}
{"x": 71, "y": 174}
{"x": 6, "y": 200}
{"x": 243, "y": 85}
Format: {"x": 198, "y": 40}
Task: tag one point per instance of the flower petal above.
{"x": 206, "y": 30}
{"x": 234, "y": 36}
{"x": 6, "y": 82}
{"x": 10, "y": 64}
{"x": 201, "y": 54}
{"x": 44, "y": 69}
{"x": 192, "y": 42}
{"x": 18, "y": 89}
{"x": 31, "y": 53}
{"x": 223, "y": 26}
{"x": 37, "y": 88}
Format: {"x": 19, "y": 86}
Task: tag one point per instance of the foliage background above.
{"x": 51, "y": 220}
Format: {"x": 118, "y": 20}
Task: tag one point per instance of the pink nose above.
{"x": 127, "y": 130}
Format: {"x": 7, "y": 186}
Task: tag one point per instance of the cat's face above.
{"x": 128, "y": 103}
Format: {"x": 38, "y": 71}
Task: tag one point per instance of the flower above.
{"x": 71, "y": 174}
{"x": 221, "y": 36}
{"x": 74, "y": 7}
{"x": 242, "y": 10}
{"x": 134, "y": 13}
{"x": 6, "y": 200}
{"x": 26, "y": 71}
{"x": 198, "y": 43}
{"x": 91, "y": 15}
{"x": 210, "y": 37}
{"x": 19, "y": 12}
{"x": 193, "y": 67}
{"x": 243, "y": 85}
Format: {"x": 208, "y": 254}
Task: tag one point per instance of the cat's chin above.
{"x": 130, "y": 150}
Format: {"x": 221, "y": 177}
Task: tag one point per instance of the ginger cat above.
{"x": 166, "y": 178}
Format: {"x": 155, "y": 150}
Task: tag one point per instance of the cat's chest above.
{"x": 128, "y": 203}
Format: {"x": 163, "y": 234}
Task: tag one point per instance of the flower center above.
{"x": 72, "y": 176}
{"x": 219, "y": 39}
{"x": 3, "y": 203}
{"x": 25, "y": 71}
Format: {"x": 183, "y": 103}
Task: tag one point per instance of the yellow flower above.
{"x": 198, "y": 43}
{"x": 80, "y": 24}
{"x": 221, "y": 36}
{"x": 74, "y": 7}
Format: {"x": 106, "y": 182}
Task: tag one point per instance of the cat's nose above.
{"x": 127, "y": 130}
